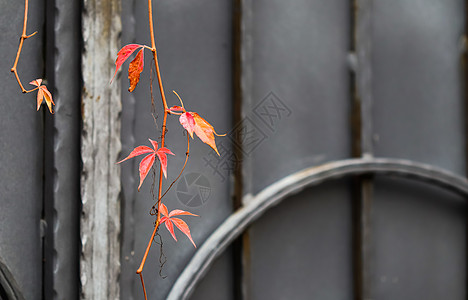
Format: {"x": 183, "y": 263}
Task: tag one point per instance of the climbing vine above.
{"x": 157, "y": 152}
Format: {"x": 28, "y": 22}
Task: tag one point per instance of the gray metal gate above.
{"x": 342, "y": 175}
{"x": 316, "y": 82}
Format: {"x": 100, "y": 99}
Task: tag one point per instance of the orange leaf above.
{"x": 43, "y": 94}
{"x": 36, "y": 82}
{"x": 47, "y": 97}
{"x": 40, "y": 96}
{"x": 123, "y": 54}
{"x": 204, "y": 131}
{"x": 134, "y": 70}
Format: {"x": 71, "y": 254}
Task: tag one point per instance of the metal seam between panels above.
{"x": 363, "y": 86}
{"x": 233, "y": 226}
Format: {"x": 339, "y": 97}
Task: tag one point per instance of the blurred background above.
{"x": 342, "y": 174}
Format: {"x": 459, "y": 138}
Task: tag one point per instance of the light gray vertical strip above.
{"x": 364, "y": 72}
{"x": 63, "y": 147}
{"x": 246, "y": 81}
{"x": 100, "y": 180}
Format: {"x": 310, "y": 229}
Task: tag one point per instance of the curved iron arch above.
{"x": 255, "y": 206}
{"x": 9, "y": 288}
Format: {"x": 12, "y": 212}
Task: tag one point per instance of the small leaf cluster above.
{"x": 192, "y": 122}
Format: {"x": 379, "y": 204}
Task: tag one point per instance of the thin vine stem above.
{"x": 143, "y": 284}
{"x": 23, "y": 37}
{"x": 175, "y": 180}
{"x": 163, "y": 136}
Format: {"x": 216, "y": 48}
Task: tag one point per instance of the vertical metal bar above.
{"x": 362, "y": 143}
{"x": 241, "y": 248}
{"x": 62, "y": 144}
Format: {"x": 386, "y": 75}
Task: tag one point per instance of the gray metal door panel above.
{"x": 419, "y": 238}
{"x": 302, "y": 249}
{"x": 419, "y": 232}
{"x": 417, "y": 76}
{"x": 21, "y": 149}
{"x": 219, "y": 282}
{"x": 195, "y": 60}
{"x": 298, "y": 53}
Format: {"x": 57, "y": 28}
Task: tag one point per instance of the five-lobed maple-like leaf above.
{"x": 192, "y": 122}
{"x": 148, "y": 161}
{"x": 135, "y": 67}
{"x": 169, "y": 220}
{"x": 43, "y": 94}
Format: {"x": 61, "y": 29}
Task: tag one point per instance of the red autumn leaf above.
{"x": 192, "y": 122}
{"x": 179, "y": 212}
{"x": 169, "y": 221}
{"x": 148, "y": 161}
{"x": 169, "y": 226}
{"x": 123, "y": 54}
{"x": 43, "y": 94}
{"x": 176, "y": 108}
{"x": 188, "y": 122}
{"x": 134, "y": 70}
{"x": 163, "y": 209}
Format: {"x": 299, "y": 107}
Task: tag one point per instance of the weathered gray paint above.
{"x": 100, "y": 181}
{"x": 21, "y": 148}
